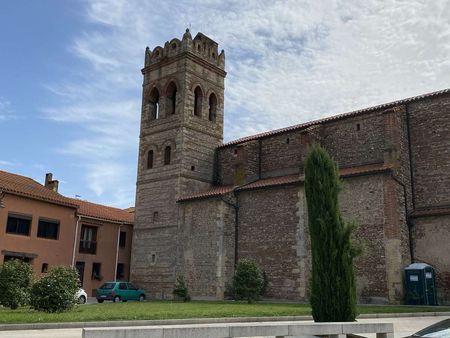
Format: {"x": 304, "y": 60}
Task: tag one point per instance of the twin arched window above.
{"x": 167, "y": 157}
{"x": 171, "y": 101}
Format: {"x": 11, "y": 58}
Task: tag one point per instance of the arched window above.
{"x": 154, "y": 104}
{"x": 150, "y": 159}
{"x": 172, "y": 98}
{"x": 198, "y": 96}
{"x": 167, "y": 155}
{"x": 212, "y": 107}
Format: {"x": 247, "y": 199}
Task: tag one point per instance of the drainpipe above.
{"x": 409, "y": 221}
{"x": 117, "y": 252}
{"x": 236, "y": 224}
{"x": 75, "y": 241}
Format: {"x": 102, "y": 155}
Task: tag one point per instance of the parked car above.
{"x": 81, "y": 296}
{"x": 119, "y": 291}
{"x": 438, "y": 330}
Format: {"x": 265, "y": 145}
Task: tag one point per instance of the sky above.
{"x": 70, "y": 80}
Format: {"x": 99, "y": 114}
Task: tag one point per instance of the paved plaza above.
{"x": 402, "y": 328}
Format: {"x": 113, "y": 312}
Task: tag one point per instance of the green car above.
{"x": 119, "y": 291}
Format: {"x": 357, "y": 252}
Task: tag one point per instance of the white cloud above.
{"x": 6, "y": 111}
{"x": 287, "y": 62}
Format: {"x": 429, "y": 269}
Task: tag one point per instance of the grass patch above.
{"x": 175, "y": 310}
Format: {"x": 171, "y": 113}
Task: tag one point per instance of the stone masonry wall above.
{"x": 206, "y": 247}
{"x": 273, "y": 230}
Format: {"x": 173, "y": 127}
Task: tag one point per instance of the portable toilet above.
{"x": 420, "y": 284}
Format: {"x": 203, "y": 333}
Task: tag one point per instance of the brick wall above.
{"x": 430, "y": 142}
{"x": 431, "y": 244}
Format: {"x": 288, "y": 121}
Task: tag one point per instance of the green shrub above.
{"x": 181, "y": 291}
{"x": 15, "y": 283}
{"x": 248, "y": 281}
{"x": 333, "y": 290}
{"x": 55, "y": 292}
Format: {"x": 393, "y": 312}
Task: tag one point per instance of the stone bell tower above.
{"x": 181, "y": 126}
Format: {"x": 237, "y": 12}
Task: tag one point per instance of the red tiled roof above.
{"x": 104, "y": 212}
{"x": 27, "y": 187}
{"x": 212, "y": 192}
{"x": 282, "y": 180}
{"x": 431, "y": 212}
{"x": 333, "y": 118}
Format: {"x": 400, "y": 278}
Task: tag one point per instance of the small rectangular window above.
{"x": 48, "y": 229}
{"x": 123, "y": 239}
{"x": 19, "y": 225}
{"x": 120, "y": 271}
{"x": 96, "y": 271}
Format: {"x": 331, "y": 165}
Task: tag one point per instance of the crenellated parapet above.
{"x": 201, "y": 46}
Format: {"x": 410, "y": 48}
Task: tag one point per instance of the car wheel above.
{"x": 100, "y": 300}
{"x": 141, "y": 298}
{"x": 81, "y": 300}
{"x": 116, "y": 299}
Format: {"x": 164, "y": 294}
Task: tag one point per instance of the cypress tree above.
{"x": 332, "y": 285}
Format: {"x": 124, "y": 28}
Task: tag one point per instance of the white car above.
{"x": 81, "y": 296}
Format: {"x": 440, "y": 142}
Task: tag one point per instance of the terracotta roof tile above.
{"x": 104, "y": 212}
{"x": 212, "y": 192}
{"x": 282, "y": 180}
{"x": 27, "y": 187}
{"x": 333, "y": 118}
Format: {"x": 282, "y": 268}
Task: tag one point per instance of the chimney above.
{"x": 50, "y": 183}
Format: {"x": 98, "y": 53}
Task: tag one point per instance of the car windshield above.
{"x": 440, "y": 329}
{"x": 108, "y": 286}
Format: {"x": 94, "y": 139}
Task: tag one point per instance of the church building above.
{"x": 202, "y": 205}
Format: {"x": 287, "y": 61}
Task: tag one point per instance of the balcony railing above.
{"x": 89, "y": 247}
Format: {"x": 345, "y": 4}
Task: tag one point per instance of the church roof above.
{"x": 281, "y": 180}
{"x": 334, "y": 118}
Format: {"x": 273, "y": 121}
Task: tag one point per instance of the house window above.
{"x": 18, "y": 225}
{"x": 88, "y": 240}
{"x": 48, "y": 229}
{"x": 44, "y": 267}
{"x": 150, "y": 159}
{"x": 96, "y": 271}
{"x": 167, "y": 154}
{"x": 198, "y": 96}
{"x": 122, "y": 239}
{"x": 120, "y": 271}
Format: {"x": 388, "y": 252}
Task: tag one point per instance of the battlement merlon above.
{"x": 200, "y": 47}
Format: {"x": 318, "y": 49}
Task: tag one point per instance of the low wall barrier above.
{"x": 227, "y": 330}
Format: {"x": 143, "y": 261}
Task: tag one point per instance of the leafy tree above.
{"x": 15, "y": 283}
{"x": 248, "y": 281}
{"x": 55, "y": 292}
{"x": 333, "y": 291}
{"x": 181, "y": 290}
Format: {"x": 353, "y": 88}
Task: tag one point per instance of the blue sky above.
{"x": 70, "y": 82}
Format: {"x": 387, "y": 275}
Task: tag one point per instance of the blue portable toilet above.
{"x": 420, "y": 284}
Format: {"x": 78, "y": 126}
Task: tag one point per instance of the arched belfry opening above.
{"x": 154, "y": 104}
{"x": 212, "y": 107}
{"x": 198, "y": 100}
{"x": 167, "y": 155}
{"x": 171, "y": 98}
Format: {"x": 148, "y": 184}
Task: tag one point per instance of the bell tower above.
{"x": 181, "y": 126}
